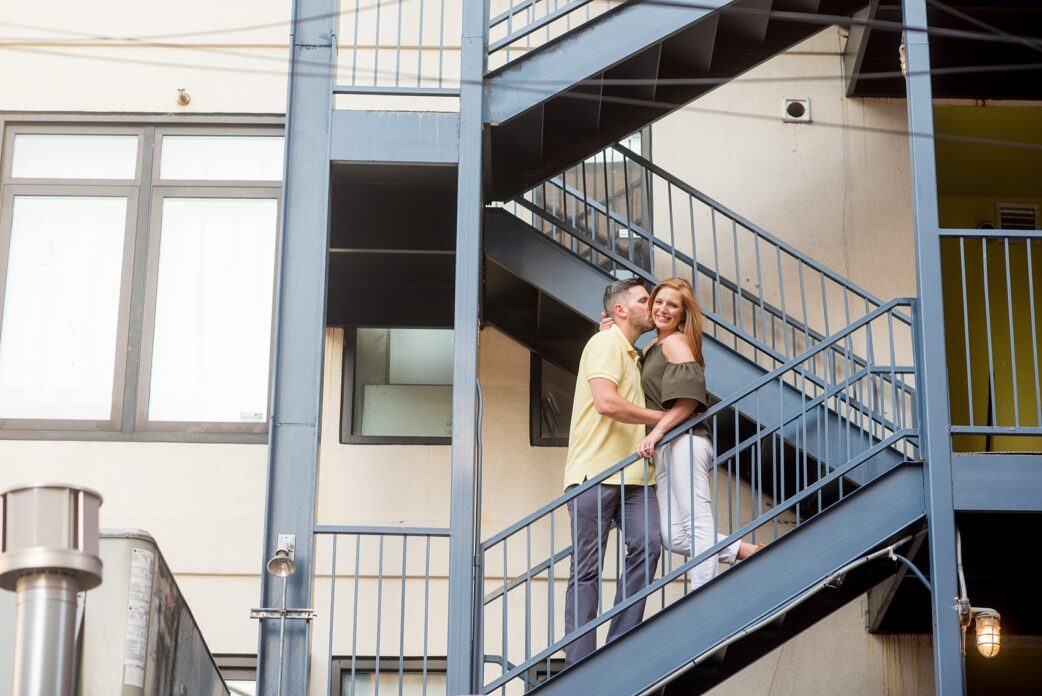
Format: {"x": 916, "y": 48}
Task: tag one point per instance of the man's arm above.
{"x": 608, "y": 402}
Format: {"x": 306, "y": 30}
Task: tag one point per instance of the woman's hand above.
{"x": 646, "y": 448}
{"x": 606, "y": 322}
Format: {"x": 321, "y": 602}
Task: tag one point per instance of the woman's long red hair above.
{"x": 691, "y": 324}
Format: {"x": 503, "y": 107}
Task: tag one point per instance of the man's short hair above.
{"x": 616, "y": 289}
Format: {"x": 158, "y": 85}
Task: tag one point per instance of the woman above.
{"x": 673, "y": 378}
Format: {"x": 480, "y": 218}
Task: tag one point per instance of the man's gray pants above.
{"x": 637, "y": 517}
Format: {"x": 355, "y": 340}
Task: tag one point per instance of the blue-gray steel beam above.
{"x": 664, "y": 643}
{"x": 997, "y": 482}
{"x": 589, "y": 49}
{"x": 462, "y": 670}
{"x": 300, "y": 300}
{"x": 406, "y": 137}
{"x": 932, "y": 382}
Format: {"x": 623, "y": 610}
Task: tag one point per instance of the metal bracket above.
{"x": 304, "y": 614}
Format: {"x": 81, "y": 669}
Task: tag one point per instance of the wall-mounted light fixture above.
{"x": 989, "y": 632}
{"x": 987, "y": 627}
{"x": 282, "y": 564}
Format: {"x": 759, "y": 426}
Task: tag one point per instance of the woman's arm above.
{"x": 677, "y": 414}
{"x": 676, "y": 350}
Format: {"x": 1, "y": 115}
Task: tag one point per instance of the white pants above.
{"x": 686, "y": 507}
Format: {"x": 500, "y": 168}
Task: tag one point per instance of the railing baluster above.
{"x": 376, "y": 45}
{"x": 506, "y": 611}
{"x": 551, "y": 585}
{"x": 528, "y": 593}
{"x": 1012, "y": 335}
{"x": 401, "y": 619}
{"x": 332, "y": 613}
{"x": 1034, "y": 336}
{"x": 739, "y": 307}
{"x": 354, "y": 614}
{"x": 672, "y": 237}
{"x": 398, "y": 47}
{"x": 441, "y": 46}
{"x": 419, "y": 47}
{"x": 379, "y": 615}
{"x": 426, "y": 606}
{"x": 987, "y": 322}
{"x": 354, "y": 65}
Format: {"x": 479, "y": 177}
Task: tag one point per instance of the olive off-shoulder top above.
{"x": 665, "y": 382}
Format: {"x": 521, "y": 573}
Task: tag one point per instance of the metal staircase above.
{"x": 590, "y": 80}
{"x": 807, "y": 416}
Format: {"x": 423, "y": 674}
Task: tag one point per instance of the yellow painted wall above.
{"x": 972, "y": 178}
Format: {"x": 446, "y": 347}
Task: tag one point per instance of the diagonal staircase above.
{"x": 810, "y": 424}
{"x": 814, "y": 421}
{"x": 594, "y": 81}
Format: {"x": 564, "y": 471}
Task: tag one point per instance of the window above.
{"x": 552, "y": 391}
{"x": 136, "y": 281}
{"x": 397, "y": 386}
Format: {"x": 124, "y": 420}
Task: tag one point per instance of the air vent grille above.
{"x": 1018, "y": 217}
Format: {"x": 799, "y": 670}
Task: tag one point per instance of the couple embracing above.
{"x": 621, "y": 408}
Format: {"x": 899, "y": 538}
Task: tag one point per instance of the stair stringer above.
{"x": 877, "y": 514}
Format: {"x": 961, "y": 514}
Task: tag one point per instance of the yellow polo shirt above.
{"x": 596, "y": 442}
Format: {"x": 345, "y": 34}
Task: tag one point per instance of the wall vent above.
{"x": 1013, "y": 216}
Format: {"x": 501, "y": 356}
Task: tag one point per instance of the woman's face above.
{"x": 667, "y": 310}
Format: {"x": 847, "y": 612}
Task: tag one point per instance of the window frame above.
{"x": 142, "y": 422}
{"x": 125, "y": 424}
{"x": 535, "y": 413}
{"x": 12, "y": 191}
{"x": 347, "y": 398}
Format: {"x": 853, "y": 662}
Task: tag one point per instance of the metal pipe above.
{"x": 48, "y": 553}
{"x": 282, "y": 635}
{"x": 45, "y": 626}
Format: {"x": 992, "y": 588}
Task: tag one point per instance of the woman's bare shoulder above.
{"x": 676, "y": 348}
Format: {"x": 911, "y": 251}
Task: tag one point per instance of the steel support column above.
{"x": 932, "y": 387}
{"x": 469, "y": 209}
{"x": 297, "y": 355}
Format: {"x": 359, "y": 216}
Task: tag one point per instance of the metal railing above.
{"x": 762, "y": 480}
{"x": 398, "y": 47}
{"x": 394, "y": 579}
{"x": 763, "y": 298}
{"x": 993, "y": 295}
{"x": 518, "y": 26}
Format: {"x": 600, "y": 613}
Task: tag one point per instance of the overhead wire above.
{"x": 990, "y": 35}
{"x": 540, "y": 86}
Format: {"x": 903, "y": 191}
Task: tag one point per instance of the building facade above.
{"x": 343, "y": 299}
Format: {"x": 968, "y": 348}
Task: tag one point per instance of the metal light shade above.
{"x": 281, "y": 564}
{"x": 989, "y": 634}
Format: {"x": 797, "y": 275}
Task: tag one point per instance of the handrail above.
{"x": 530, "y": 24}
{"x": 780, "y": 488}
{"x": 727, "y": 283}
{"x": 709, "y": 553}
{"x": 687, "y": 425}
{"x": 751, "y": 226}
{"x": 736, "y": 332}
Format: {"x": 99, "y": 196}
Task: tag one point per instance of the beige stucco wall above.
{"x": 837, "y": 188}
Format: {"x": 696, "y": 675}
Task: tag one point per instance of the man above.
{"x": 608, "y": 419}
